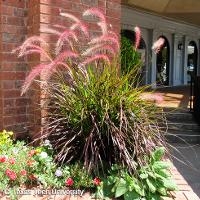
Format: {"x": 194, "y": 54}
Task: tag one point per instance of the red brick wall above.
{"x": 13, "y": 71}
{"x": 22, "y": 18}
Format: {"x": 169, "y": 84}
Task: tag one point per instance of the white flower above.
{"x": 47, "y": 142}
{"x": 58, "y": 172}
{"x": 43, "y": 155}
{"x": 15, "y": 151}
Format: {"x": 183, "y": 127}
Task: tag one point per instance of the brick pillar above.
{"x": 12, "y": 70}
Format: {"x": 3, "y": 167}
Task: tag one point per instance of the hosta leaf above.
{"x": 154, "y": 197}
{"x": 121, "y": 188}
{"x": 170, "y": 184}
{"x": 162, "y": 173}
{"x": 151, "y": 186}
{"x": 143, "y": 176}
{"x": 162, "y": 191}
{"x": 131, "y": 196}
{"x": 158, "y": 153}
{"x": 161, "y": 165}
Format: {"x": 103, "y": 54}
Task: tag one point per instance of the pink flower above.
{"x": 137, "y": 37}
{"x": 12, "y": 161}
{"x": 158, "y": 45}
{"x": 23, "y": 172}
{"x": 3, "y": 159}
{"x": 32, "y": 152}
{"x": 12, "y": 176}
{"x": 69, "y": 182}
{"x": 97, "y": 181}
{"x": 8, "y": 172}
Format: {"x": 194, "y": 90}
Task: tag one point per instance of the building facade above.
{"x": 180, "y": 53}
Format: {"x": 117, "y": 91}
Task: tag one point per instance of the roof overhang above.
{"x": 187, "y": 11}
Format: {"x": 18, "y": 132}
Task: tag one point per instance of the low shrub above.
{"x": 152, "y": 181}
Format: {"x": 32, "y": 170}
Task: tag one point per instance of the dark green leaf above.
{"x": 121, "y": 188}
{"x": 131, "y": 196}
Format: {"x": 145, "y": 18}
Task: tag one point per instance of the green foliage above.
{"x": 100, "y": 119}
{"x": 5, "y": 139}
{"x": 26, "y": 166}
{"x": 130, "y": 58}
{"x": 149, "y": 183}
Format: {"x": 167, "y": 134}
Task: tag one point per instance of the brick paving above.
{"x": 185, "y": 191}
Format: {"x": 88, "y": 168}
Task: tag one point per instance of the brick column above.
{"x": 12, "y": 72}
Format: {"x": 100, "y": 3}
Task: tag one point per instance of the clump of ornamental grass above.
{"x": 96, "y": 115}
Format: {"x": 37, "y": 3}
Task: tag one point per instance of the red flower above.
{"x": 12, "y": 161}
{"x": 32, "y": 152}
{"x": 30, "y": 162}
{"x": 3, "y": 159}
{"x": 8, "y": 172}
{"x": 23, "y": 172}
{"x": 12, "y": 176}
{"x": 97, "y": 181}
{"x": 32, "y": 177}
{"x": 69, "y": 182}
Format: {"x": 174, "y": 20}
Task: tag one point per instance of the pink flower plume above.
{"x": 158, "y": 45}
{"x": 137, "y": 37}
{"x": 98, "y": 48}
{"x": 82, "y": 27}
{"x": 106, "y": 39}
{"x": 32, "y": 75}
{"x": 94, "y": 58}
{"x": 97, "y": 13}
{"x": 70, "y": 16}
{"x": 65, "y": 37}
{"x": 47, "y": 69}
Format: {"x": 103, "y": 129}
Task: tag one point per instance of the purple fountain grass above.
{"x": 99, "y": 48}
{"x": 78, "y": 23}
{"x": 94, "y": 58}
{"x": 65, "y": 36}
{"x": 157, "y": 45}
{"x": 103, "y": 47}
{"x": 47, "y": 69}
{"x": 106, "y": 39}
{"x": 97, "y": 13}
{"x": 137, "y": 37}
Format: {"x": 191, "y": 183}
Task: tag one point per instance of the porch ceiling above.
{"x": 184, "y": 10}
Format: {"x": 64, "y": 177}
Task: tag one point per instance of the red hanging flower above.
{"x": 3, "y": 159}
{"x": 97, "y": 181}
{"x": 12, "y": 161}
{"x": 23, "y": 172}
{"x": 69, "y": 182}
